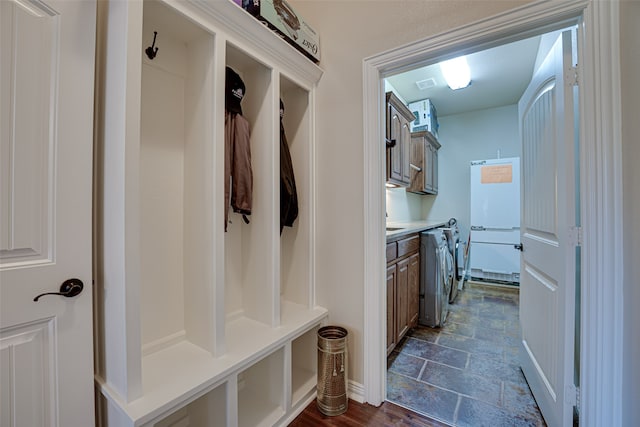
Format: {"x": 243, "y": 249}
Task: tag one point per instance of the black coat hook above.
{"x": 150, "y": 51}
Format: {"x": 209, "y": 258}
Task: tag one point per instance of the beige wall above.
{"x": 630, "y": 64}
{"x": 349, "y": 32}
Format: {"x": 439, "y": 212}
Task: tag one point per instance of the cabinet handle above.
{"x": 419, "y": 169}
{"x": 391, "y": 143}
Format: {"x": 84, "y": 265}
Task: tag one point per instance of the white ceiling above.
{"x": 499, "y": 76}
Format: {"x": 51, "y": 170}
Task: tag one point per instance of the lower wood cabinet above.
{"x": 391, "y": 308}
{"x": 413, "y": 305}
{"x": 402, "y": 299}
{"x": 403, "y": 287}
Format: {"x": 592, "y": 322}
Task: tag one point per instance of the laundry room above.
{"x": 461, "y": 200}
{"x": 469, "y": 128}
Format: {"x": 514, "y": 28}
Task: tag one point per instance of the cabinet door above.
{"x": 414, "y": 289}
{"x": 391, "y": 304}
{"x": 434, "y": 168}
{"x": 428, "y": 171}
{"x": 395, "y": 152}
{"x": 402, "y": 299}
{"x": 405, "y": 138}
{"x": 416, "y": 165}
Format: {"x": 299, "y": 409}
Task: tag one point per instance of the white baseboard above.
{"x": 355, "y": 391}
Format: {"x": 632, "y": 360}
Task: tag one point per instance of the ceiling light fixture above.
{"x": 456, "y": 72}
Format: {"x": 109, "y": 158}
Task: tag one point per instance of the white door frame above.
{"x": 600, "y": 183}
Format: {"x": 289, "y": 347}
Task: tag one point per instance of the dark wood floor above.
{"x": 359, "y": 414}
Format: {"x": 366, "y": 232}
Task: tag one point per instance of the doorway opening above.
{"x": 469, "y": 367}
{"x": 599, "y": 178}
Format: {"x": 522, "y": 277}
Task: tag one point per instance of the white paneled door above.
{"x": 46, "y": 148}
{"x": 547, "y": 280}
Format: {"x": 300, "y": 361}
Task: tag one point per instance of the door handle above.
{"x": 69, "y": 288}
{"x": 519, "y": 247}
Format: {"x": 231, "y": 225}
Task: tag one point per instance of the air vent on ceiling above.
{"x": 426, "y": 83}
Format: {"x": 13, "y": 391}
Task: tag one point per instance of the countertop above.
{"x": 408, "y": 227}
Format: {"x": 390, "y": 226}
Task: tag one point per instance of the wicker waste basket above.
{"x": 332, "y": 370}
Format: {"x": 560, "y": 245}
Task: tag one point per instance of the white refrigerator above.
{"x": 495, "y": 219}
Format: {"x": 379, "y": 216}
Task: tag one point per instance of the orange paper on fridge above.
{"x": 496, "y": 174}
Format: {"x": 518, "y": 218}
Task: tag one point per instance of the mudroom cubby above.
{"x": 173, "y": 169}
{"x": 261, "y": 398}
{"x": 250, "y": 273}
{"x": 208, "y": 410}
{"x": 295, "y": 242}
{"x": 190, "y": 319}
{"x": 304, "y": 366}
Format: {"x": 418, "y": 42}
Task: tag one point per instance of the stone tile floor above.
{"x": 466, "y": 373}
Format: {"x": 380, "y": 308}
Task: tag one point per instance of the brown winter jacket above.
{"x": 237, "y": 165}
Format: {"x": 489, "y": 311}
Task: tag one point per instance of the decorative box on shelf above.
{"x": 280, "y": 17}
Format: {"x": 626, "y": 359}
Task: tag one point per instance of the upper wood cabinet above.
{"x": 424, "y": 163}
{"x": 398, "y": 141}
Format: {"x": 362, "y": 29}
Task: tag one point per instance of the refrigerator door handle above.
{"x": 483, "y": 228}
